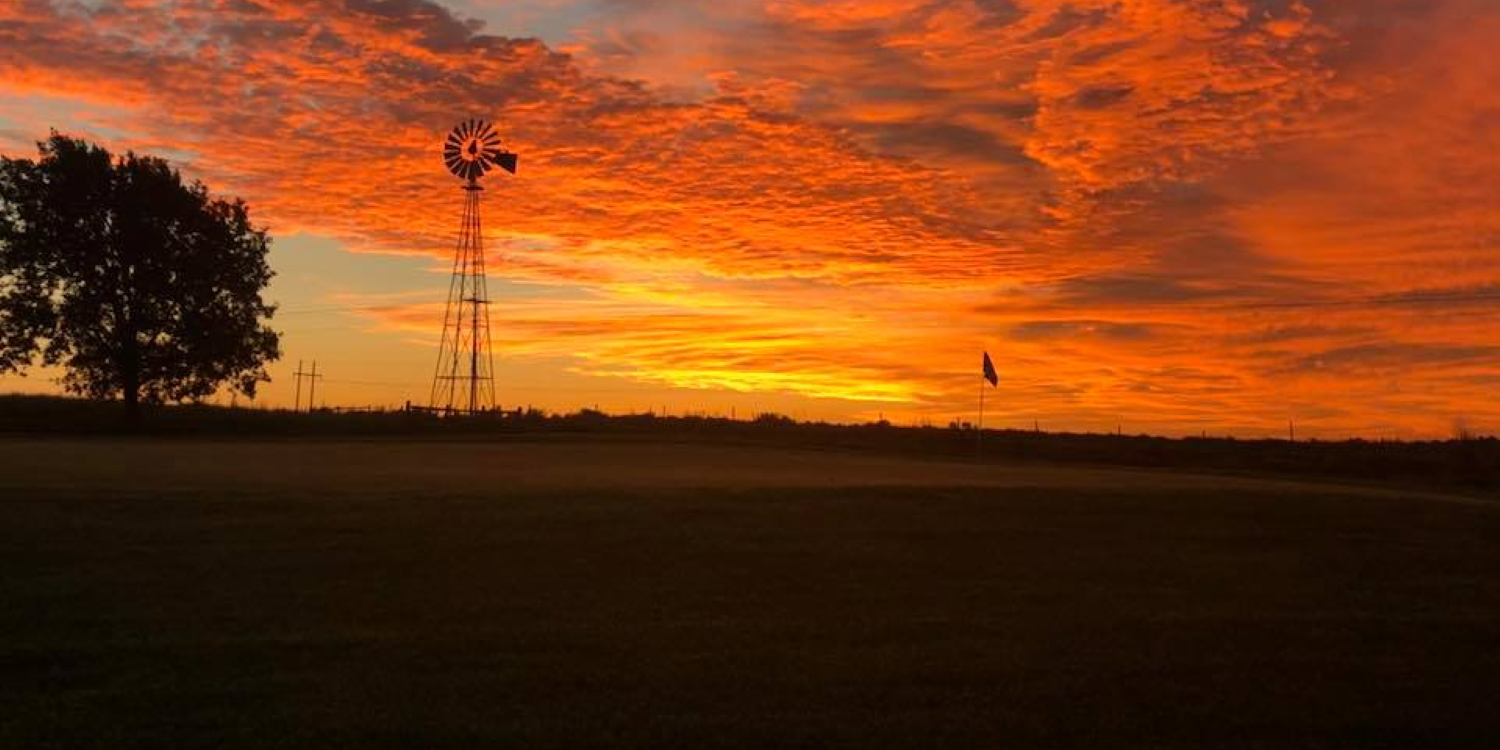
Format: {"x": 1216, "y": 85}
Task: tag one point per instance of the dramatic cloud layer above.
{"x": 1183, "y": 214}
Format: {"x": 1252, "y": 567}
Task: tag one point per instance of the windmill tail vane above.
{"x": 464, "y": 381}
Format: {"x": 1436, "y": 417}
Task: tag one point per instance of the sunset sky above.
{"x": 1168, "y": 215}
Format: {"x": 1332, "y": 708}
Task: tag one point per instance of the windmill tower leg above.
{"x": 464, "y": 380}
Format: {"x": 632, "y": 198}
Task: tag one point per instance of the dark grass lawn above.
{"x": 845, "y": 602}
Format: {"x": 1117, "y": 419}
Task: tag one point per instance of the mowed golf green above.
{"x": 174, "y": 594}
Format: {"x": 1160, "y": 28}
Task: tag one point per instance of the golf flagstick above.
{"x": 979, "y": 435}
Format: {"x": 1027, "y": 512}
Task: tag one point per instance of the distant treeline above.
{"x": 1471, "y": 464}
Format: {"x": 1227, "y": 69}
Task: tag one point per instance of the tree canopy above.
{"x": 140, "y": 286}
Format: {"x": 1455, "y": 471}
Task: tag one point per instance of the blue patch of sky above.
{"x": 550, "y": 20}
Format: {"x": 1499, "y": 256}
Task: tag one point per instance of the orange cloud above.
{"x": 1205, "y": 214}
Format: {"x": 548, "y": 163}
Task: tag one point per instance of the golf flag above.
{"x": 989, "y": 371}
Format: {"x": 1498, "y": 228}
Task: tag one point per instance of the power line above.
{"x": 1413, "y": 299}
{"x": 380, "y": 383}
{"x": 340, "y": 309}
{"x": 538, "y": 388}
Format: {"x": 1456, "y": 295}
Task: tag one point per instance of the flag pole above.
{"x": 979, "y": 436}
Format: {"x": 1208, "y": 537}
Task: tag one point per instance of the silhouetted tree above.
{"x": 140, "y": 286}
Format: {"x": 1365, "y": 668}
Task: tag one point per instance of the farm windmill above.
{"x": 464, "y": 382}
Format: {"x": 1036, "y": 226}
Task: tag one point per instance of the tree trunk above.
{"x": 130, "y": 376}
{"x": 132, "y": 397}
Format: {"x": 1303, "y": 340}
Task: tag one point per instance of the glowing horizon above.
{"x": 1170, "y": 215}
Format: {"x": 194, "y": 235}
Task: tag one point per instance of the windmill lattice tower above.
{"x": 464, "y": 382}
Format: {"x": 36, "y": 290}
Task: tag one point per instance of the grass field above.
{"x": 176, "y": 594}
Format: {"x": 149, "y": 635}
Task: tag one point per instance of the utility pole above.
{"x": 312, "y": 389}
{"x": 297, "y": 376}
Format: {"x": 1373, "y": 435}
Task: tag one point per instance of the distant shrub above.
{"x": 773, "y": 419}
